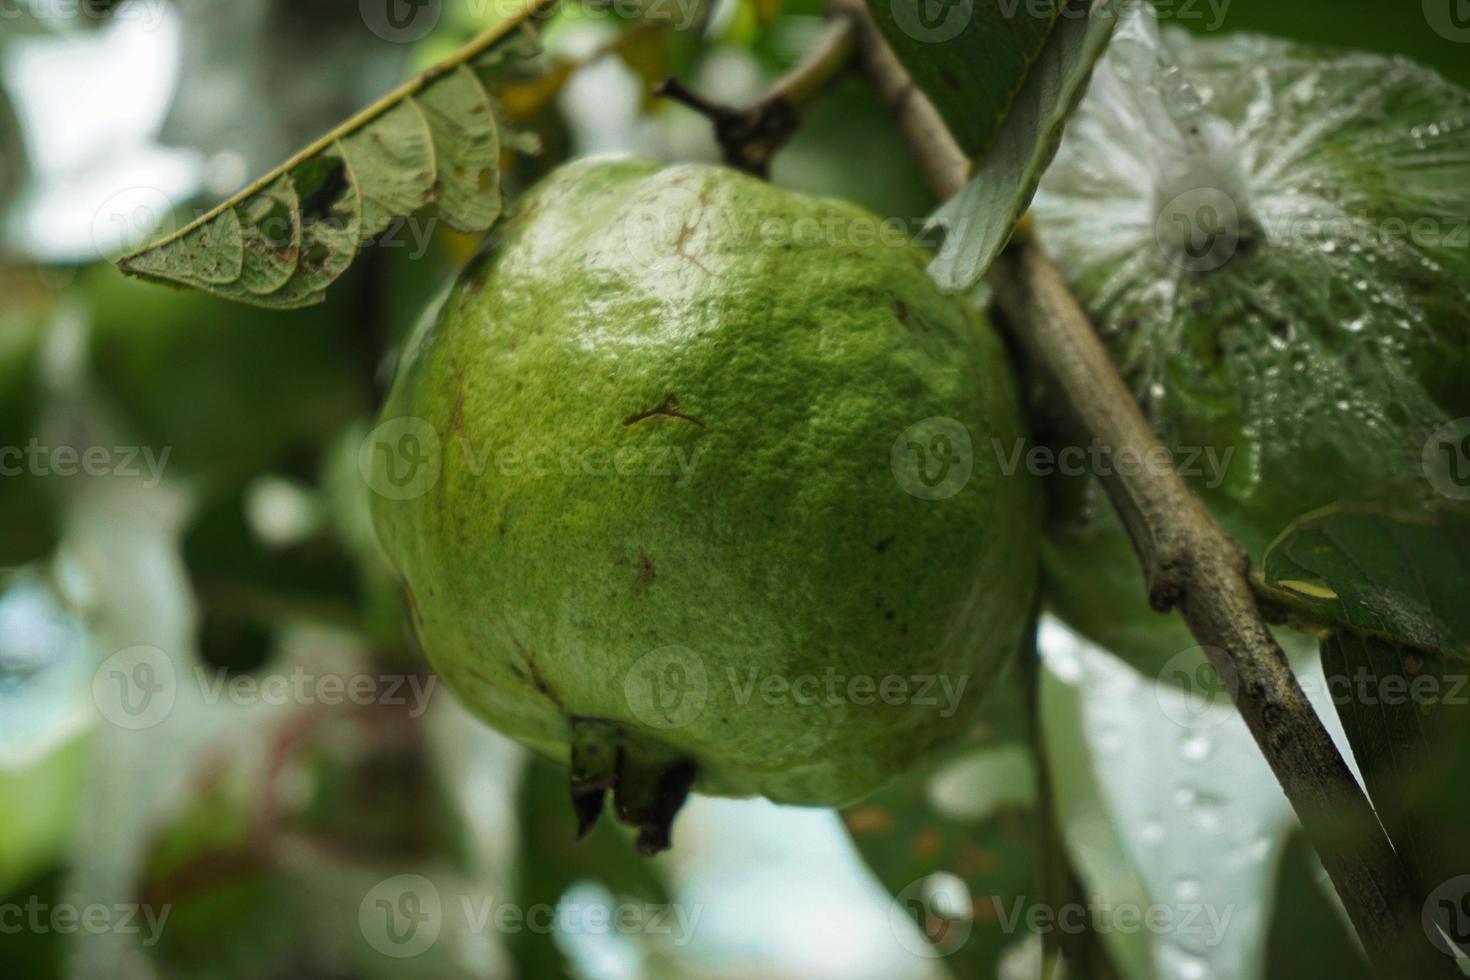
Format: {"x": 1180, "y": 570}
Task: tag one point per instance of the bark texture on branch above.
{"x": 1189, "y": 562}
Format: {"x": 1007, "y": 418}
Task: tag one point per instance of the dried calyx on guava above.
{"x": 1273, "y": 241}
{"x": 686, "y": 484}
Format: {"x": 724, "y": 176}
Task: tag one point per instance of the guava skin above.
{"x": 1322, "y": 353}
{"x": 736, "y": 390}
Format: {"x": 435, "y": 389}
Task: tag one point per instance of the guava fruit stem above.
{"x": 649, "y": 784}
{"x": 650, "y": 798}
{"x": 595, "y": 763}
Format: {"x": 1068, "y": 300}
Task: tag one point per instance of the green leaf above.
{"x": 284, "y": 240}
{"x": 980, "y": 218}
{"x": 1402, "y": 577}
{"x": 1164, "y": 803}
{"x": 971, "y": 58}
{"x": 1309, "y": 933}
{"x": 1407, "y": 718}
{"x": 972, "y": 818}
{"x": 13, "y": 164}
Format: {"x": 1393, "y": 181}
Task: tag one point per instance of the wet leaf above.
{"x": 1402, "y": 577}
{"x": 285, "y": 239}
{"x": 1407, "y": 719}
{"x": 980, "y": 219}
{"x": 971, "y": 58}
{"x": 958, "y": 848}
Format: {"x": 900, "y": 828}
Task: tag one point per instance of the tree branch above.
{"x": 1189, "y": 563}
{"x": 751, "y": 137}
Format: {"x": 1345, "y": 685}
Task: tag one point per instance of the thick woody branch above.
{"x": 1189, "y": 563}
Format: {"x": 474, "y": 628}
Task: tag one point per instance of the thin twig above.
{"x": 1189, "y": 563}
{"x": 749, "y": 138}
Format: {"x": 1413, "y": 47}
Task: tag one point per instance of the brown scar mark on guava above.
{"x": 536, "y": 679}
{"x": 681, "y": 248}
{"x": 907, "y": 317}
{"x": 646, "y": 571}
{"x": 456, "y": 414}
{"x": 666, "y": 409}
{"x": 681, "y": 244}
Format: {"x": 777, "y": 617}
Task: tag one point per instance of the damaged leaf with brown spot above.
{"x": 286, "y": 238}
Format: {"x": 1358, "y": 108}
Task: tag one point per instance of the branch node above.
{"x": 750, "y": 138}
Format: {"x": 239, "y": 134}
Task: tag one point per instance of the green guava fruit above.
{"x": 1275, "y": 243}
{"x": 683, "y": 475}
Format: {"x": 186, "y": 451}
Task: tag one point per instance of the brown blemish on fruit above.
{"x": 644, "y": 573}
{"x": 666, "y": 409}
{"x": 536, "y": 679}
{"x": 456, "y": 414}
